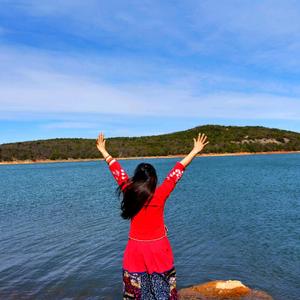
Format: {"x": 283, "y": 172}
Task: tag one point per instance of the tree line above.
{"x": 223, "y": 139}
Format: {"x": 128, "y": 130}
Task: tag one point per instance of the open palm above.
{"x": 101, "y": 142}
{"x": 200, "y": 142}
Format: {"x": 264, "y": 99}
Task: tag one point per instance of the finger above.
{"x": 206, "y": 143}
{"x": 99, "y": 138}
{"x": 198, "y": 136}
{"x": 201, "y": 137}
{"x": 194, "y": 141}
{"x": 204, "y": 138}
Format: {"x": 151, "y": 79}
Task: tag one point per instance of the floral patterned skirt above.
{"x": 145, "y": 286}
{"x": 148, "y": 270}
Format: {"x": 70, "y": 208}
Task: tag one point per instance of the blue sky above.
{"x": 128, "y": 68}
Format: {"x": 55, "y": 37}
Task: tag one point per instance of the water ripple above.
{"x": 229, "y": 218}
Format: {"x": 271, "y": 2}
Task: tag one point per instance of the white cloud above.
{"x": 34, "y": 85}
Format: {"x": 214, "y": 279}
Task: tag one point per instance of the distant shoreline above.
{"x": 42, "y": 161}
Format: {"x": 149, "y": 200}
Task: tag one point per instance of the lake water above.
{"x": 229, "y": 218}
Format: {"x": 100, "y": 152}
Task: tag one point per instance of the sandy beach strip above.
{"x": 42, "y": 161}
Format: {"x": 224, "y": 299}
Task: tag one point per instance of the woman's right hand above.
{"x": 200, "y": 142}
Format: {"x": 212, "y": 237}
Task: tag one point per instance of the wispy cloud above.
{"x": 54, "y": 84}
{"x": 41, "y": 89}
{"x": 248, "y": 32}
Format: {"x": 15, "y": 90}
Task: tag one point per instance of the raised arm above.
{"x": 199, "y": 144}
{"x": 114, "y": 166}
{"x": 177, "y": 171}
{"x": 170, "y": 181}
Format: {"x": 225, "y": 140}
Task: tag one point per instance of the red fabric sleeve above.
{"x": 118, "y": 172}
{"x": 171, "y": 180}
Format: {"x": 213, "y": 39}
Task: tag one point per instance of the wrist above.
{"x": 194, "y": 152}
{"x": 107, "y": 157}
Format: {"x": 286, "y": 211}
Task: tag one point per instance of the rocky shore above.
{"x": 222, "y": 290}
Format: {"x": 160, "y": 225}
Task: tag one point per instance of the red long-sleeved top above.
{"x": 148, "y": 223}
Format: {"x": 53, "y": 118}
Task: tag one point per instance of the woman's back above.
{"x": 148, "y": 223}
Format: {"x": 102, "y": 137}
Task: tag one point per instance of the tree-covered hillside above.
{"x": 222, "y": 139}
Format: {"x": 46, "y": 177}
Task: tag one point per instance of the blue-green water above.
{"x": 229, "y": 218}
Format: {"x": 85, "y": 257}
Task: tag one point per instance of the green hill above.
{"x": 222, "y": 139}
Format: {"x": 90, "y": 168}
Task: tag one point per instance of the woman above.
{"x": 148, "y": 262}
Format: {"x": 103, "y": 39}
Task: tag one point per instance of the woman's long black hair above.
{"x": 138, "y": 191}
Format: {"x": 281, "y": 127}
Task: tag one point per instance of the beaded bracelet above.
{"x": 109, "y": 160}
